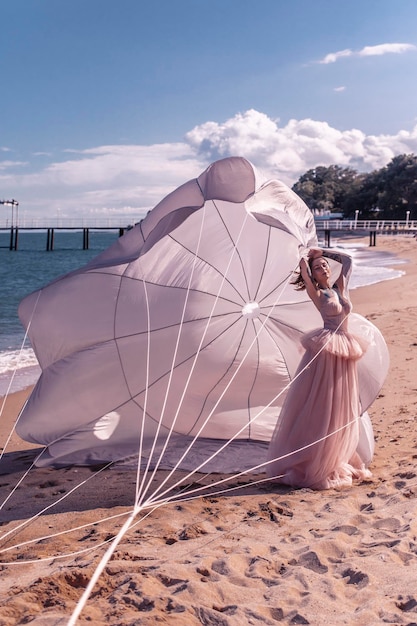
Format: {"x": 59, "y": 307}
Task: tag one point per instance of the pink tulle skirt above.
{"x": 340, "y": 343}
{"x": 315, "y": 442}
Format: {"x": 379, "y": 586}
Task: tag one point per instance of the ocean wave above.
{"x": 12, "y": 360}
{"x": 18, "y": 369}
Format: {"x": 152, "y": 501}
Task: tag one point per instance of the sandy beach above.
{"x": 264, "y": 554}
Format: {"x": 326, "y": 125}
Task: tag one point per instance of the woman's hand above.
{"x": 311, "y": 287}
{"x": 304, "y": 270}
{"x": 314, "y": 253}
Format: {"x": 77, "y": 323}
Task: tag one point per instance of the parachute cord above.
{"x": 233, "y": 488}
{"x": 139, "y": 484}
{"x": 100, "y": 567}
{"x": 13, "y": 376}
{"x": 50, "y": 506}
{"x": 60, "y": 533}
{"x": 16, "y": 487}
{"x": 103, "y": 562}
{"x": 252, "y": 469}
{"x": 64, "y": 532}
{"x": 253, "y": 419}
{"x": 189, "y": 447}
{"x": 195, "y": 361}
{"x": 140, "y": 500}
{"x": 236, "y": 435}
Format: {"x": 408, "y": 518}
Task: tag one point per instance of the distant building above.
{"x": 322, "y": 215}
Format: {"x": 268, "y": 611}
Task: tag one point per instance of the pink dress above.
{"x": 316, "y": 437}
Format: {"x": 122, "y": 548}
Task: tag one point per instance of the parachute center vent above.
{"x": 251, "y": 309}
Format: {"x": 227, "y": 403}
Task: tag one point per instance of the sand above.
{"x": 260, "y": 555}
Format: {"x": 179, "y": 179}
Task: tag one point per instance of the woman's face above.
{"x": 320, "y": 270}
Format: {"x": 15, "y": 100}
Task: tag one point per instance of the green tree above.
{"x": 364, "y": 197}
{"x": 387, "y": 193}
{"x": 326, "y": 188}
{"x": 398, "y": 188}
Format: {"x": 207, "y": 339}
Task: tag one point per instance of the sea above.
{"x": 31, "y": 267}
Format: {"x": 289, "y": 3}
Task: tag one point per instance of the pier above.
{"x": 327, "y": 229}
{"x": 50, "y": 228}
{"x": 50, "y": 234}
{"x": 363, "y": 228}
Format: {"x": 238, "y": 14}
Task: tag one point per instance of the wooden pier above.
{"x": 50, "y": 234}
{"x": 363, "y": 228}
{"x": 325, "y": 228}
{"x": 357, "y": 233}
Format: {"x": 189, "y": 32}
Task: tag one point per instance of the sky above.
{"x": 108, "y": 105}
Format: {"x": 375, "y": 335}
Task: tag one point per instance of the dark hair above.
{"x": 298, "y": 280}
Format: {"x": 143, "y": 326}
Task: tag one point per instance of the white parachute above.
{"x": 180, "y": 340}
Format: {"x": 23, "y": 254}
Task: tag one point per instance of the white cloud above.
{"x": 288, "y": 151}
{"x": 339, "y": 89}
{"x": 332, "y": 57}
{"x": 130, "y": 179}
{"x": 104, "y": 179}
{"x": 4, "y": 165}
{"x": 380, "y": 49}
{"x": 386, "y": 48}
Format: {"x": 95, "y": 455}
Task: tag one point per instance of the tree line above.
{"x": 388, "y": 193}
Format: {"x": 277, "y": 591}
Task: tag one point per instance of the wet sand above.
{"x": 260, "y": 555}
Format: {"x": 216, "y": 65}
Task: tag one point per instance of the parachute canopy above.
{"x": 187, "y": 328}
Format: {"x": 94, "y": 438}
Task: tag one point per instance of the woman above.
{"x": 316, "y": 437}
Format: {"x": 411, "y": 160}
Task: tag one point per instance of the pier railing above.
{"x": 324, "y": 228}
{"x": 361, "y": 228}
{"x": 379, "y": 226}
{"x": 124, "y": 221}
{"x": 42, "y": 223}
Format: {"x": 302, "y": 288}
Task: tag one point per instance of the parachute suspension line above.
{"x": 260, "y": 465}
{"x": 50, "y": 506}
{"x": 22, "y": 478}
{"x": 14, "y": 374}
{"x": 55, "y": 557}
{"x": 99, "y": 569}
{"x": 310, "y": 445}
{"x": 103, "y": 562}
{"x": 285, "y": 389}
{"x": 137, "y": 522}
{"x": 171, "y": 373}
{"x": 39, "y": 456}
{"x": 67, "y": 554}
{"x": 145, "y": 404}
{"x": 224, "y": 391}
{"x": 65, "y": 532}
{"x": 313, "y": 358}
{"x": 248, "y": 423}
{"x": 197, "y": 491}
{"x": 193, "y": 368}
{"x": 60, "y": 533}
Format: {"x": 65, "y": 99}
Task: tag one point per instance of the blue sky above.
{"x": 107, "y": 105}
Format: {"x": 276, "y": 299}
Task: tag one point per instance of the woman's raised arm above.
{"x": 346, "y": 261}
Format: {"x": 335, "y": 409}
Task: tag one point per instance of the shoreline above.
{"x": 267, "y": 554}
